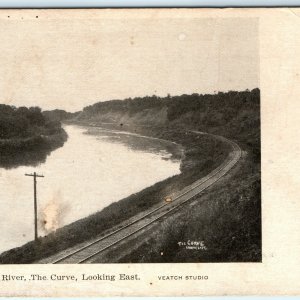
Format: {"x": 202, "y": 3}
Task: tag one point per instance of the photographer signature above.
{"x": 193, "y": 245}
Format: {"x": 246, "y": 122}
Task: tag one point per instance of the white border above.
{"x": 144, "y": 3}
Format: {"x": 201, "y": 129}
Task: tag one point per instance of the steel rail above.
{"x": 199, "y": 183}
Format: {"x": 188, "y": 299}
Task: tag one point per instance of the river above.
{"x": 94, "y": 168}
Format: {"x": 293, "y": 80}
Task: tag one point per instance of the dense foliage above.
{"x": 24, "y": 122}
{"x": 27, "y": 136}
{"x": 215, "y": 109}
{"x": 59, "y": 114}
{"x": 233, "y": 114}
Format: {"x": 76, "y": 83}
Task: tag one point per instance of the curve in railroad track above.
{"x": 98, "y": 246}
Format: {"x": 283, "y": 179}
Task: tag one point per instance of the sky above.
{"x": 69, "y": 63}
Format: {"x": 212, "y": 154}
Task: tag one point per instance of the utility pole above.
{"x": 34, "y": 175}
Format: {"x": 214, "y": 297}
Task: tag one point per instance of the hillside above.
{"x": 233, "y": 114}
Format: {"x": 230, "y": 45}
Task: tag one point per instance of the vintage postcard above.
{"x": 149, "y": 152}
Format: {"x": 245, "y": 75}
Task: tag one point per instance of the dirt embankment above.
{"x": 153, "y": 116}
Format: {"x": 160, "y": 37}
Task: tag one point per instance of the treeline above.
{"x": 234, "y": 114}
{"x": 27, "y": 136}
{"x": 23, "y": 122}
{"x": 226, "y": 103}
{"x": 59, "y": 114}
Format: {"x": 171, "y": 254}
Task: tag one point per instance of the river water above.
{"x": 94, "y": 168}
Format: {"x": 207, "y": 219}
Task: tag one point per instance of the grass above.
{"x": 227, "y": 220}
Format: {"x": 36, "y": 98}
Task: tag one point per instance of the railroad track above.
{"x": 99, "y": 246}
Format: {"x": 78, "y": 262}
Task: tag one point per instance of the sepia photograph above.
{"x": 129, "y": 140}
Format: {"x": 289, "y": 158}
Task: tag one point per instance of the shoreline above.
{"x": 126, "y": 208}
{"x": 19, "y": 142}
{"x": 178, "y": 154}
{"x": 29, "y": 151}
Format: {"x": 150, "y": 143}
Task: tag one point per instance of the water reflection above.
{"x": 136, "y": 142}
{"x": 32, "y": 153}
{"x": 25, "y": 158}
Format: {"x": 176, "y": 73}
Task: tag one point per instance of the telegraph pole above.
{"x": 34, "y": 175}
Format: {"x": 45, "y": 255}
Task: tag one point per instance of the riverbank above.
{"x": 32, "y": 151}
{"x": 202, "y": 154}
{"x": 34, "y": 142}
{"x": 27, "y": 136}
{"x": 221, "y": 225}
